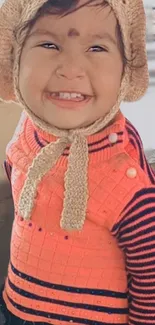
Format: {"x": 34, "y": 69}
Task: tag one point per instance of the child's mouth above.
{"x": 68, "y": 100}
{"x": 68, "y": 96}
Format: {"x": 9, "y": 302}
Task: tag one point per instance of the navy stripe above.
{"x": 142, "y": 298}
{"x": 94, "y": 292}
{"x": 132, "y": 127}
{"x": 139, "y": 242}
{"x": 128, "y": 210}
{"x": 89, "y": 144}
{"x": 136, "y": 217}
{"x": 102, "y": 309}
{"x": 139, "y": 194}
{"x": 98, "y": 142}
{"x": 143, "y": 311}
{"x": 139, "y": 146}
{"x": 141, "y": 158}
{"x": 142, "y": 256}
{"x": 133, "y": 143}
{"x": 138, "y": 205}
{"x": 143, "y": 161}
{"x": 139, "y": 224}
{"x": 105, "y": 147}
{"x": 99, "y": 149}
{"x": 134, "y": 131}
{"x": 58, "y": 316}
{"x": 134, "y": 322}
{"x": 143, "y": 232}
{"x": 150, "y": 172}
{"x": 151, "y": 318}
{"x": 38, "y": 140}
{"x": 146, "y": 304}
{"x": 146, "y": 277}
{"x": 40, "y": 143}
{"x": 141, "y": 249}
{"x": 140, "y": 265}
{"x": 102, "y": 140}
{"x": 144, "y": 284}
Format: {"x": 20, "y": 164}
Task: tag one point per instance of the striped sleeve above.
{"x": 136, "y": 236}
{"x": 136, "y": 151}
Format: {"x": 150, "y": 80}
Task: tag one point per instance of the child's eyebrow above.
{"x": 104, "y": 36}
{"x": 42, "y": 32}
{"x": 72, "y": 32}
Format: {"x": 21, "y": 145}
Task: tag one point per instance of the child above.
{"x": 83, "y": 238}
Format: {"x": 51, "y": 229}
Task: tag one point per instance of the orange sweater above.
{"x": 103, "y": 274}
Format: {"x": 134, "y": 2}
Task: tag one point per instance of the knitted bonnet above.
{"x": 131, "y": 17}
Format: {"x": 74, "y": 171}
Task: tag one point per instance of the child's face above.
{"x": 76, "y": 54}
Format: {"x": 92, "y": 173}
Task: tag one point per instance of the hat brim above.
{"x": 132, "y": 21}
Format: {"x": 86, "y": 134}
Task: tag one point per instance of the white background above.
{"x": 142, "y": 113}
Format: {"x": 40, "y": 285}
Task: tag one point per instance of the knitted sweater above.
{"x": 104, "y": 274}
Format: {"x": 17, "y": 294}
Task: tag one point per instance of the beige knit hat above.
{"x": 131, "y": 17}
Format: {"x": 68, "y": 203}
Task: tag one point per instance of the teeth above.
{"x": 68, "y": 96}
{"x": 74, "y": 95}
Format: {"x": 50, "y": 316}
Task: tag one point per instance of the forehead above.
{"x": 86, "y": 20}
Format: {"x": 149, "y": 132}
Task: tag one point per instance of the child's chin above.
{"x": 65, "y": 121}
{"x": 70, "y": 126}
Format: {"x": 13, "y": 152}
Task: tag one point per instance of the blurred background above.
{"x": 142, "y": 113}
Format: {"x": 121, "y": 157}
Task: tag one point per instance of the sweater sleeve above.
{"x": 136, "y": 236}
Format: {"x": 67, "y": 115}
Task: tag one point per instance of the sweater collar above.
{"x": 101, "y": 146}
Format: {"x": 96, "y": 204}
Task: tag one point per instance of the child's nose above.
{"x": 70, "y": 71}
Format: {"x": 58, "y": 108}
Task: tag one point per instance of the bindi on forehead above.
{"x": 73, "y": 32}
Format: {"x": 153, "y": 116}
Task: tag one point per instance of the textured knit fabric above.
{"x": 105, "y": 273}
{"x": 131, "y": 19}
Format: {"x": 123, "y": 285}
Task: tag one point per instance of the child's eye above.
{"x": 49, "y": 46}
{"x": 97, "y": 48}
